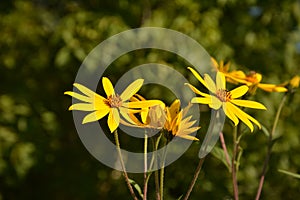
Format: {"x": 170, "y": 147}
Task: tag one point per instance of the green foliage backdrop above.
{"x": 42, "y": 44}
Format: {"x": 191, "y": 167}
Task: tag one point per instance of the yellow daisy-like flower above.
{"x": 220, "y": 97}
{"x": 170, "y": 119}
{"x": 177, "y": 125}
{"x": 113, "y": 105}
{"x": 252, "y": 80}
{"x": 234, "y": 76}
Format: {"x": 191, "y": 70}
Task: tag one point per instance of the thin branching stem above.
{"x": 123, "y": 166}
{"x": 234, "y": 164}
{"x": 223, "y": 144}
{"x": 145, "y": 166}
{"x": 269, "y": 150}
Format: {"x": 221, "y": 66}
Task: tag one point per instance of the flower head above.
{"x": 179, "y": 125}
{"x": 170, "y": 119}
{"x": 252, "y": 79}
{"x": 113, "y": 105}
{"x": 221, "y": 97}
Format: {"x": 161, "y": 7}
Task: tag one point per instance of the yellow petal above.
{"x": 143, "y": 104}
{"x": 195, "y": 73}
{"x": 221, "y": 82}
{"x": 100, "y": 102}
{"x": 239, "y": 91}
{"x": 95, "y": 116}
{"x": 280, "y": 89}
{"x": 248, "y": 104}
{"x": 132, "y": 89}
{"x": 84, "y": 89}
{"x": 230, "y": 114}
{"x": 271, "y": 87}
{"x": 113, "y": 120}
{"x": 129, "y": 116}
{"x": 174, "y": 108}
{"x": 79, "y": 97}
{"x": 196, "y": 90}
{"x": 211, "y": 86}
{"x": 108, "y": 87}
{"x": 215, "y": 103}
{"x": 214, "y": 63}
{"x": 82, "y": 106}
{"x": 202, "y": 100}
{"x": 140, "y": 97}
{"x": 242, "y": 116}
{"x": 188, "y": 137}
{"x": 144, "y": 115}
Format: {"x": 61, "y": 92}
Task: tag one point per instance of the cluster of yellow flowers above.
{"x": 154, "y": 114}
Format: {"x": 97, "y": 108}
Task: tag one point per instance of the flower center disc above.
{"x": 223, "y": 95}
{"x": 114, "y": 101}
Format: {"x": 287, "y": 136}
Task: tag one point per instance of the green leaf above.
{"x": 218, "y": 153}
{"x": 180, "y": 197}
{"x": 265, "y": 130}
{"x": 137, "y": 187}
{"x": 289, "y": 173}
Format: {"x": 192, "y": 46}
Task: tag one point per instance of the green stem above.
{"x": 123, "y": 166}
{"x": 223, "y": 144}
{"x": 156, "y": 174}
{"x": 269, "y": 150}
{"x": 162, "y": 172}
{"x": 201, "y": 161}
{"x": 145, "y": 167}
{"x": 234, "y": 165}
{"x": 197, "y": 172}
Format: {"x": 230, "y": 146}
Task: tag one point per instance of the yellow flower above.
{"x": 177, "y": 125}
{"x": 113, "y": 105}
{"x": 234, "y": 76}
{"x": 170, "y": 119}
{"x": 252, "y": 80}
{"x": 220, "y": 97}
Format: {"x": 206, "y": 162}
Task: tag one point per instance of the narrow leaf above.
{"x": 289, "y": 173}
{"x": 137, "y": 187}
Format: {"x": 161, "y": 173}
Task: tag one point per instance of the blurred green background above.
{"x": 42, "y": 44}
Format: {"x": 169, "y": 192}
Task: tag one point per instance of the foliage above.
{"x": 43, "y": 44}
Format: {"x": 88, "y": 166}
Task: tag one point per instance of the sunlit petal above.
{"x": 188, "y": 137}
{"x": 214, "y": 63}
{"x": 221, "y": 81}
{"x": 195, "y": 73}
{"x": 271, "y": 87}
{"x": 84, "y": 89}
{"x": 196, "y": 90}
{"x": 113, "y": 120}
{"x": 248, "y": 104}
{"x": 82, "y": 106}
{"x": 211, "y": 86}
{"x": 239, "y": 91}
{"x": 202, "y": 100}
{"x": 108, "y": 87}
{"x": 79, "y": 97}
{"x": 215, "y": 103}
{"x": 242, "y": 116}
{"x": 132, "y": 89}
{"x": 174, "y": 108}
{"x": 228, "y": 111}
{"x": 95, "y": 116}
{"x": 143, "y": 104}
{"x": 129, "y": 116}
